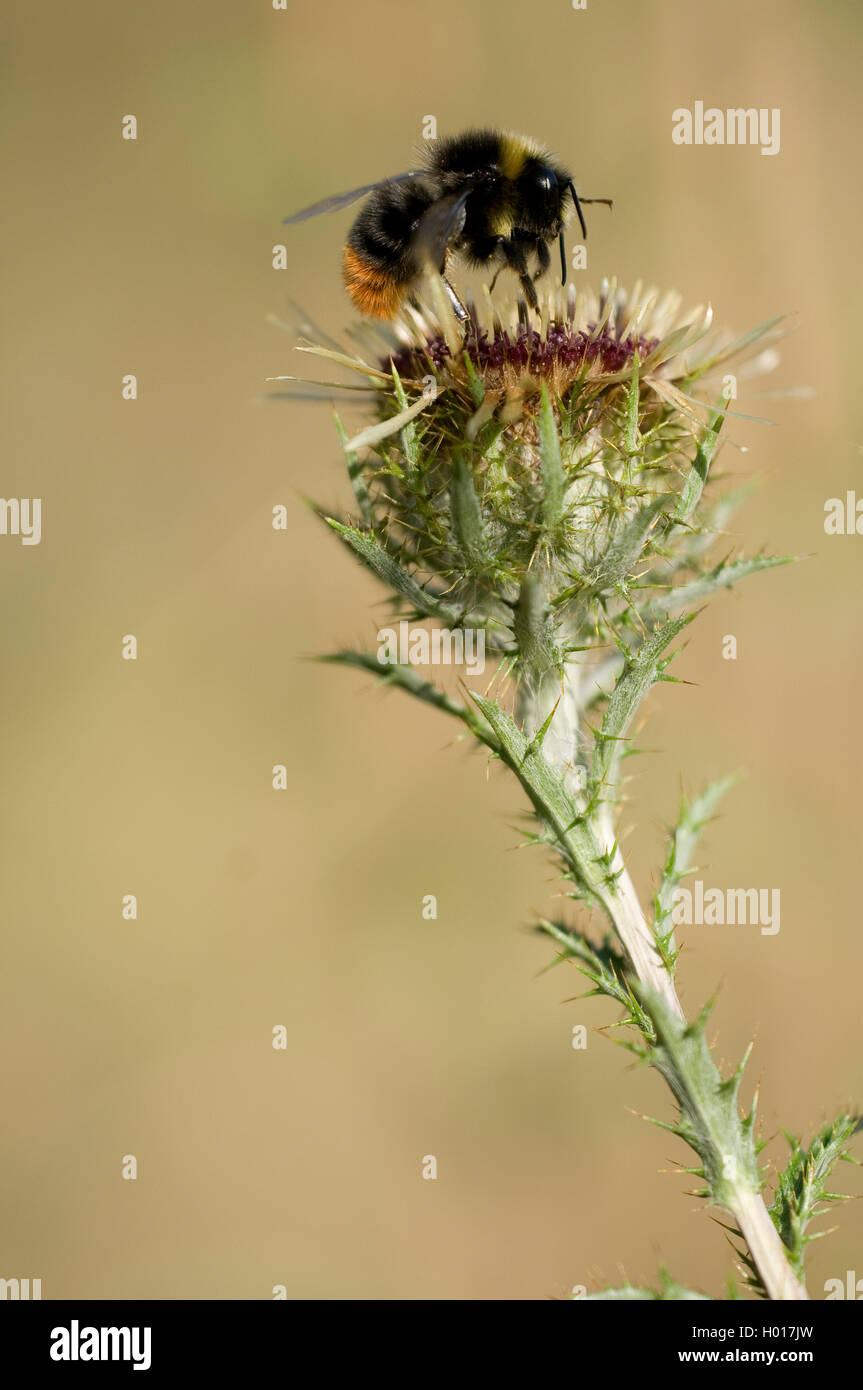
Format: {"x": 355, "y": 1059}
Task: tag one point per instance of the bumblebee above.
{"x": 491, "y": 197}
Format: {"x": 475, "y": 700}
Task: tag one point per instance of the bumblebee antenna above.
{"x": 571, "y": 187}
{"x": 562, "y": 259}
{"x": 608, "y": 203}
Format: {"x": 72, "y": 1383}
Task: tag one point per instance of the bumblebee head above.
{"x": 542, "y": 195}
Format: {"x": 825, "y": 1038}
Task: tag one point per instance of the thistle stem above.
{"x": 627, "y": 918}
{"x": 562, "y": 747}
{"x": 765, "y": 1246}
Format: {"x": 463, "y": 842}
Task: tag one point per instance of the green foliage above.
{"x": 570, "y": 828}
{"x": 803, "y": 1183}
{"x": 709, "y": 1121}
{"x": 696, "y": 478}
{"x": 643, "y": 667}
{"x": 693, "y": 817}
{"x": 468, "y": 524}
{"x": 723, "y": 576}
{"x": 606, "y": 969}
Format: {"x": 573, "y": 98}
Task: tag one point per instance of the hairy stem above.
{"x": 562, "y": 749}
{"x": 638, "y": 941}
{"x": 765, "y": 1246}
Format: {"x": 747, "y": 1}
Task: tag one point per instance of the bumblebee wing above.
{"x": 440, "y": 225}
{"x": 344, "y": 200}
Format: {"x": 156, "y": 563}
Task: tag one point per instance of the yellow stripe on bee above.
{"x": 515, "y": 150}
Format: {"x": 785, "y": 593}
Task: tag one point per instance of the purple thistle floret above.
{"x": 529, "y": 351}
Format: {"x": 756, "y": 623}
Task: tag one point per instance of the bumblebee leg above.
{"x": 515, "y": 257}
{"x": 459, "y": 310}
{"x": 529, "y": 291}
{"x": 543, "y": 259}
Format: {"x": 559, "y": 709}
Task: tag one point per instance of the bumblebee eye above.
{"x": 540, "y": 190}
{"x": 541, "y": 183}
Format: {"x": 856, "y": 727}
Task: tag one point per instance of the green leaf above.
{"x": 697, "y": 475}
{"x": 722, "y": 577}
{"x": 408, "y": 433}
{"x": 803, "y": 1184}
{"x": 605, "y": 968}
{"x": 572, "y": 830}
{"x": 620, "y": 559}
{"x": 407, "y": 679}
{"x": 641, "y": 670}
{"x": 475, "y": 382}
{"x": 387, "y": 569}
{"x": 710, "y": 1121}
{"x": 467, "y": 518}
{"x": 356, "y": 475}
{"x": 715, "y": 518}
{"x": 693, "y": 817}
{"x": 631, "y": 434}
{"x": 760, "y": 335}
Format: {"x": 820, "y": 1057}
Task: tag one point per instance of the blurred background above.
{"x": 257, "y": 908}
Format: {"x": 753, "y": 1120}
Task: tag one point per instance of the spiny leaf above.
{"x": 476, "y": 383}
{"x": 761, "y": 335}
{"x": 539, "y": 737}
{"x": 803, "y": 1183}
{"x": 697, "y": 475}
{"x": 408, "y": 433}
{"x": 693, "y": 817}
{"x": 574, "y": 836}
{"x": 710, "y": 1121}
{"x": 620, "y": 559}
{"x": 387, "y": 569}
{"x": 722, "y": 577}
{"x": 356, "y": 475}
{"x": 642, "y": 669}
{"x": 605, "y": 967}
{"x": 716, "y": 517}
{"x": 467, "y": 518}
{"x": 631, "y": 435}
{"x": 407, "y": 679}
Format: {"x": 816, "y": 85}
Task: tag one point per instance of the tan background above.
{"x": 256, "y": 908}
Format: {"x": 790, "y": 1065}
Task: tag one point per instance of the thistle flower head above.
{"x": 536, "y": 475}
{"x": 581, "y": 347}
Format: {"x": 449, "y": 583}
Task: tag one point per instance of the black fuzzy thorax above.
{"x": 457, "y": 155}
{"x": 513, "y": 178}
{"x": 516, "y": 205}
